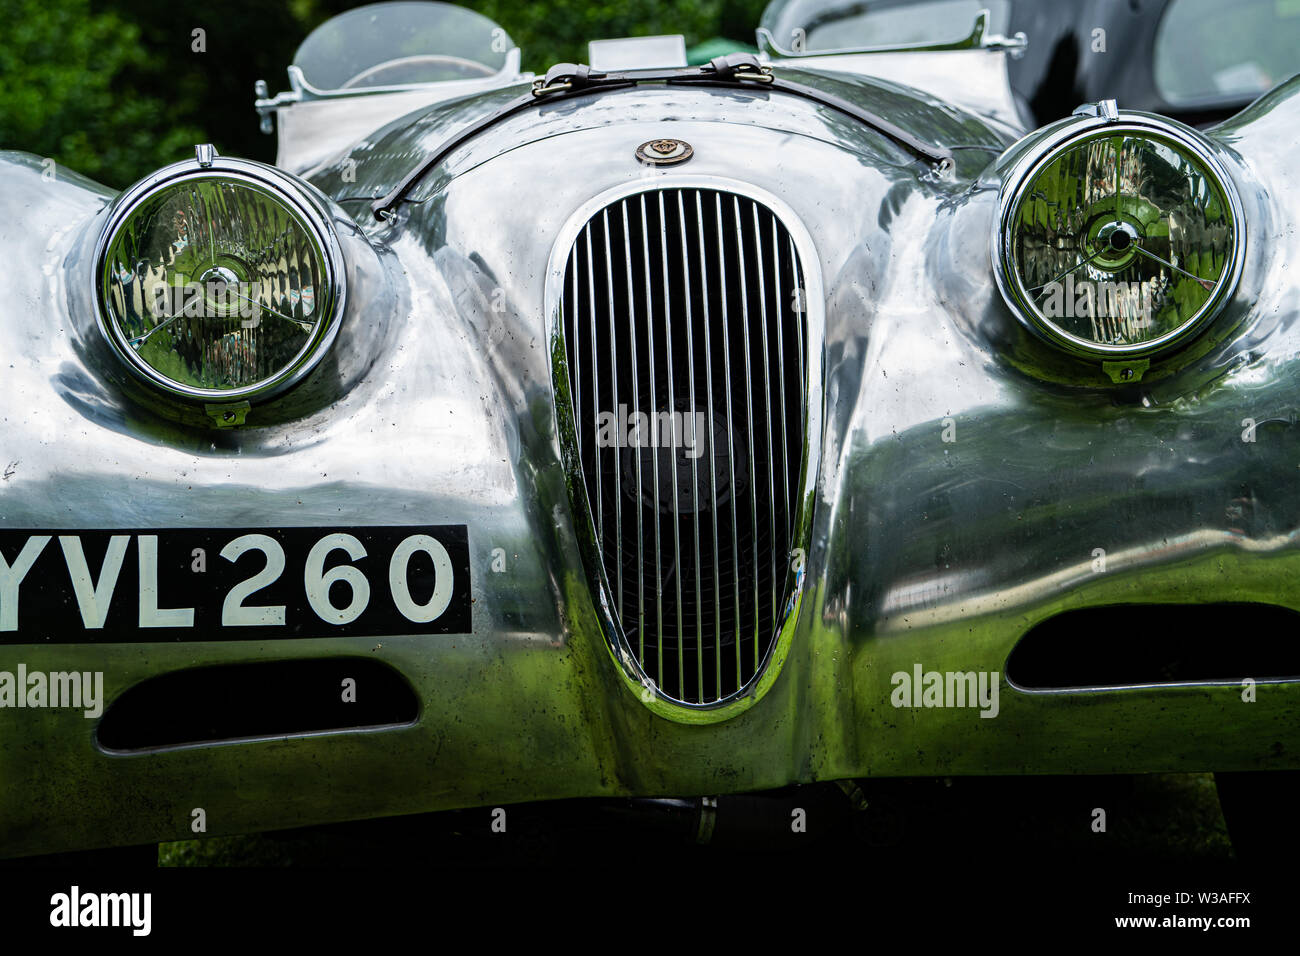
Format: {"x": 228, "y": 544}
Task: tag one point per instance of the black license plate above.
{"x": 203, "y": 584}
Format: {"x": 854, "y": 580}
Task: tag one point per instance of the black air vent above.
{"x": 231, "y": 702}
{"x": 681, "y": 316}
{"x": 1125, "y": 644}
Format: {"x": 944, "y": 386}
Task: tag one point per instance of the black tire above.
{"x": 1262, "y": 811}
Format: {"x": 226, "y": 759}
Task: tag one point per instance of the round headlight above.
{"x": 1118, "y": 236}
{"x": 220, "y": 280}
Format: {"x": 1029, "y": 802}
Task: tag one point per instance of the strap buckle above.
{"x": 740, "y": 66}
{"x": 564, "y": 77}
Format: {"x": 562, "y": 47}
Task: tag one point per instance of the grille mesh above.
{"x": 685, "y": 341}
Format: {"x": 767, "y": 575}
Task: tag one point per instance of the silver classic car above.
{"x": 647, "y": 429}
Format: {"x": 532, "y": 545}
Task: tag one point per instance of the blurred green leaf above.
{"x": 62, "y": 93}
{"x": 115, "y": 89}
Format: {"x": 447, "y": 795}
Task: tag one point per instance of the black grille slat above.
{"x": 666, "y": 272}
{"x": 695, "y": 612}
{"x": 695, "y": 323}
{"x": 595, "y": 371}
{"x": 771, "y": 426}
{"x": 780, "y": 366}
{"x": 729, "y": 394}
{"x": 715, "y": 561}
{"x": 613, "y": 365}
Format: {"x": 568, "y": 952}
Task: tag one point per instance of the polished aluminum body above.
{"x": 962, "y": 473}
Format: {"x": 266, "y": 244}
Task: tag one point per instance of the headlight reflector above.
{"x": 219, "y": 283}
{"x": 1118, "y": 238}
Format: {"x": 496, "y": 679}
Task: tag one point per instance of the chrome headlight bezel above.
{"x": 1044, "y": 150}
{"x": 309, "y": 211}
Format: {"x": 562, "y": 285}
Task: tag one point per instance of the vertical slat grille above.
{"x": 682, "y": 311}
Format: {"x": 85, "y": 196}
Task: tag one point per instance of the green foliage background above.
{"x": 113, "y": 88}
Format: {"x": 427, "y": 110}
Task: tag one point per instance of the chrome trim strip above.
{"x": 1170, "y": 685}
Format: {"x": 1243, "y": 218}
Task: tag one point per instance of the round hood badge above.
{"x": 664, "y": 152}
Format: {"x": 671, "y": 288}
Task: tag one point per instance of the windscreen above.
{"x": 399, "y": 44}
{"x": 1206, "y": 49}
{"x": 812, "y": 26}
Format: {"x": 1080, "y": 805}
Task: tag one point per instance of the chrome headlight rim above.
{"x": 1070, "y": 133}
{"x": 307, "y": 208}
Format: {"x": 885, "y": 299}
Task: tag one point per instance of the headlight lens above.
{"x": 1120, "y": 240}
{"x": 218, "y": 285}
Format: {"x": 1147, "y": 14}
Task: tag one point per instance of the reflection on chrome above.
{"x": 213, "y": 283}
{"x": 904, "y": 607}
{"x": 1120, "y": 239}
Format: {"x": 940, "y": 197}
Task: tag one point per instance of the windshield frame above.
{"x": 979, "y": 37}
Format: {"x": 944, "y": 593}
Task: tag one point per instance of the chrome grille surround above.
{"x": 679, "y": 645}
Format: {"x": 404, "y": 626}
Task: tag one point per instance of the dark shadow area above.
{"x": 1157, "y": 644}
{"x": 271, "y": 699}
